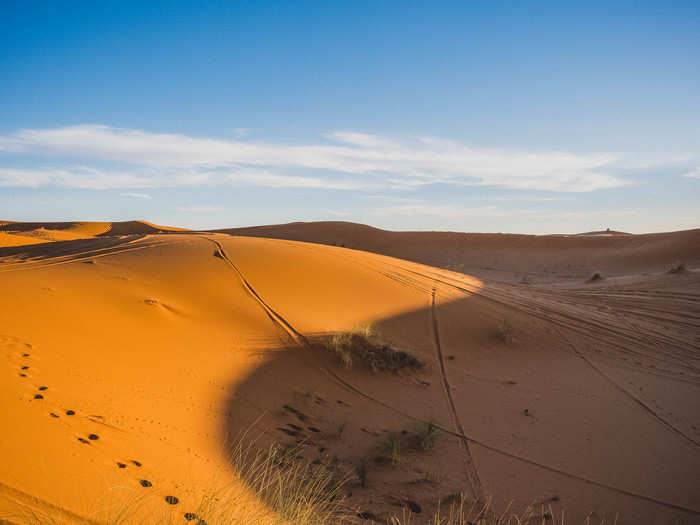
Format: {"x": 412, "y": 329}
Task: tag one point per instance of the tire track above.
{"x": 470, "y": 467}
{"x": 639, "y": 402}
{"x": 301, "y": 341}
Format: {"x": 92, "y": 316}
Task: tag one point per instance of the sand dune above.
{"x": 504, "y": 257}
{"x": 131, "y": 360}
{"x": 21, "y": 233}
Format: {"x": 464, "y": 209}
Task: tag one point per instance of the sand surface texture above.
{"x": 130, "y": 362}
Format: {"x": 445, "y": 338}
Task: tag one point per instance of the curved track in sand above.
{"x": 472, "y": 474}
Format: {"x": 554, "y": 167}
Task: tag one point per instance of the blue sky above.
{"x": 528, "y": 117}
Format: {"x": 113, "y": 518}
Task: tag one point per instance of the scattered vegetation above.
{"x": 505, "y": 331}
{"x": 457, "y": 509}
{"x": 393, "y": 448}
{"x": 340, "y": 429}
{"x": 425, "y": 435}
{"x": 678, "y": 267}
{"x": 362, "y": 347}
{"x": 596, "y": 276}
{"x": 361, "y": 472}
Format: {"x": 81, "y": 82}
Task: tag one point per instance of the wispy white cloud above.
{"x": 149, "y": 177}
{"x": 375, "y": 162}
{"x": 199, "y": 209}
{"x": 137, "y": 195}
{"x": 694, "y": 174}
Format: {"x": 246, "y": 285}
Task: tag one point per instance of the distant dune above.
{"x": 505, "y": 257}
{"x": 133, "y": 357}
{"x": 22, "y": 233}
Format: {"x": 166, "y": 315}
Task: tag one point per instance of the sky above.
{"x": 492, "y": 116}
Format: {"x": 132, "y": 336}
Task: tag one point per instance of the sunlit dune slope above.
{"x": 505, "y": 257}
{"x": 150, "y": 354}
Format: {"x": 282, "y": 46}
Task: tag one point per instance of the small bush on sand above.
{"x": 351, "y": 347}
{"x": 678, "y": 267}
{"x": 425, "y": 435}
{"x": 361, "y": 472}
{"x": 393, "y": 448}
{"x": 596, "y": 276}
{"x": 505, "y": 331}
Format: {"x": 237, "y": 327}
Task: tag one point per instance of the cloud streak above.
{"x": 137, "y": 196}
{"x": 694, "y": 174}
{"x": 365, "y": 161}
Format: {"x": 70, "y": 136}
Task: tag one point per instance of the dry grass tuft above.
{"x": 596, "y": 276}
{"x": 505, "y": 331}
{"x": 678, "y": 267}
{"x": 458, "y": 510}
{"x": 362, "y": 347}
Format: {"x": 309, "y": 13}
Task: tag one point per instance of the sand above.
{"x": 164, "y": 346}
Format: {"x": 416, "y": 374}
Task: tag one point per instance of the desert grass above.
{"x": 678, "y": 267}
{"x": 595, "y": 276}
{"x": 425, "y": 435}
{"x": 302, "y": 496}
{"x": 457, "y": 509}
{"x": 278, "y": 489}
{"x": 363, "y": 347}
{"x": 505, "y": 331}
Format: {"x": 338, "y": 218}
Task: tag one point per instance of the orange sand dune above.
{"x": 21, "y": 233}
{"x": 504, "y": 257}
{"x": 151, "y": 352}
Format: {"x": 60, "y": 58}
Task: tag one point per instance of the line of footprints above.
{"x": 172, "y": 500}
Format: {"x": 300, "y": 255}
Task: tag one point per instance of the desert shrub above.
{"x": 505, "y": 331}
{"x": 350, "y": 347}
{"x": 393, "y": 448}
{"x": 677, "y": 267}
{"x": 595, "y": 276}
{"x": 525, "y": 280}
{"x": 425, "y": 435}
{"x": 361, "y": 472}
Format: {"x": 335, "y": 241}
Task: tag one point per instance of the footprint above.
{"x": 25, "y": 367}
{"x": 93, "y": 437}
{"x": 38, "y": 396}
{"x": 121, "y": 465}
{"x": 83, "y": 440}
{"x": 172, "y": 500}
{"x": 43, "y": 388}
{"x": 145, "y": 483}
{"x": 137, "y": 463}
{"x": 54, "y": 415}
{"x": 70, "y": 412}
{"x": 189, "y": 516}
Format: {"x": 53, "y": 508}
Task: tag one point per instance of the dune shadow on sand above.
{"x": 526, "y": 421}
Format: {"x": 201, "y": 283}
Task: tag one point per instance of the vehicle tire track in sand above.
{"x": 73, "y": 258}
{"x": 638, "y": 401}
{"x": 470, "y": 467}
{"x": 304, "y": 343}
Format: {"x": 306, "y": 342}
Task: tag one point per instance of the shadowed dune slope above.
{"x": 505, "y": 257}
{"x": 128, "y": 366}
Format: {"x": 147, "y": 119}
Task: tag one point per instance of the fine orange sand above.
{"x": 152, "y": 349}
